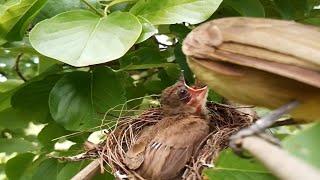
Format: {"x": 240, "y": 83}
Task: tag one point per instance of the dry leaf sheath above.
{"x": 261, "y": 62}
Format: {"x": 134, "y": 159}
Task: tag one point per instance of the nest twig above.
{"x": 224, "y": 121}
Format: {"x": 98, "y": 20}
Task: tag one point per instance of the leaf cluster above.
{"x": 64, "y": 64}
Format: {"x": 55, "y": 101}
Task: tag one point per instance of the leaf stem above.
{"x": 17, "y": 68}
{"x": 93, "y": 8}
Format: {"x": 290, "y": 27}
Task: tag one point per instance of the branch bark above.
{"x": 89, "y": 171}
{"x": 279, "y": 162}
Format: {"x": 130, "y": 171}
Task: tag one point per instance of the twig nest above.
{"x": 225, "y": 120}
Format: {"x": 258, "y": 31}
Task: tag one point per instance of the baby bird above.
{"x": 163, "y": 150}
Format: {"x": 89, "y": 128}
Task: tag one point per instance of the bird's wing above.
{"x": 172, "y": 148}
{"x": 135, "y": 155}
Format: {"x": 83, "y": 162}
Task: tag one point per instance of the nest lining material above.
{"x": 224, "y": 121}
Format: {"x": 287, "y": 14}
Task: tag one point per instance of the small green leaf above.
{"x": 49, "y": 132}
{"x": 143, "y": 58}
{"x": 247, "y": 7}
{"x": 17, "y": 166}
{"x": 16, "y": 145}
{"x": 305, "y": 145}
{"x": 230, "y": 166}
{"x": 82, "y": 38}
{"x": 178, "y": 11}
{"x": 148, "y": 30}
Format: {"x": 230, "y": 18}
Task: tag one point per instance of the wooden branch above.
{"x": 279, "y": 162}
{"x": 89, "y": 171}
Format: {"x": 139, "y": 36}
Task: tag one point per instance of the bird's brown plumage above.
{"x": 162, "y": 151}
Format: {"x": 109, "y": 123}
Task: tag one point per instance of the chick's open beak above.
{"x": 198, "y": 95}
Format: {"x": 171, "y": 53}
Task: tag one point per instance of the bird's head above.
{"x": 181, "y": 98}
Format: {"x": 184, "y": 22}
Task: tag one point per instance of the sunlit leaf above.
{"x": 305, "y": 145}
{"x": 178, "y": 11}
{"x": 231, "y": 166}
{"x": 15, "y": 16}
{"x": 82, "y": 38}
{"x": 16, "y": 145}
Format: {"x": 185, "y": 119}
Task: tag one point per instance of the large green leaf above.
{"x": 16, "y": 145}
{"x": 178, "y": 11}
{"x": 70, "y": 169}
{"x": 15, "y": 16}
{"x": 305, "y": 145}
{"x": 82, "y": 38}
{"x": 13, "y": 119}
{"x": 247, "y": 7}
{"x": 33, "y": 98}
{"x": 79, "y": 97}
{"x": 48, "y": 169}
{"x": 295, "y": 9}
{"x": 230, "y": 166}
{"x": 9, "y": 85}
{"x": 17, "y": 166}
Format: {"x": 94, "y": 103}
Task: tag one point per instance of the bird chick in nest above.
{"x": 162, "y": 151}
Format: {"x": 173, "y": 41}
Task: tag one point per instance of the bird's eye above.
{"x": 183, "y": 94}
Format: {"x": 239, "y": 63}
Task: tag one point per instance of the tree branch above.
{"x": 89, "y": 171}
{"x": 17, "y": 68}
{"x": 279, "y": 162}
{"x": 286, "y": 122}
{"x": 93, "y": 8}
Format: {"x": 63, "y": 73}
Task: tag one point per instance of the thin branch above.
{"x": 89, "y": 171}
{"x": 286, "y": 122}
{"x": 93, "y": 8}
{"x": 17, "y": 68}
{"x": 279, "y": 162}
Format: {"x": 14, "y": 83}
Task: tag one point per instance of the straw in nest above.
{"x": 224, "y": 121}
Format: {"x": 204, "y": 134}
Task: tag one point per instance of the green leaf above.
{"x": 230, "y": 166}
{"x": 13, "y": 119}
{"x": 16, "y": 15}
{"x": 82, "y": 38}
{"x": 9, "y": 84}
{"x": 143, "y": 58}
{"x": 16, "y": 145}
{"x": 148, "y": 29}
{"x": 49, "y": 132}
{"x": 70, "y": 169}
{"x": 53, "y": 8}
{"x": 17, "y": 166}
{"x": 252, "y": 8}
{"x": 178, "y": 11}
{"x": 48, "y": 169}
{"x": 5, "y": 99}
{"x": 294, "y": 9}
{"x": 33, "y": 98}
{"x": 305, "y": 145}
{"x": 79, "y": 97}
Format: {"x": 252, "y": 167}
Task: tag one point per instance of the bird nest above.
{"x": 225, "y": 120}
